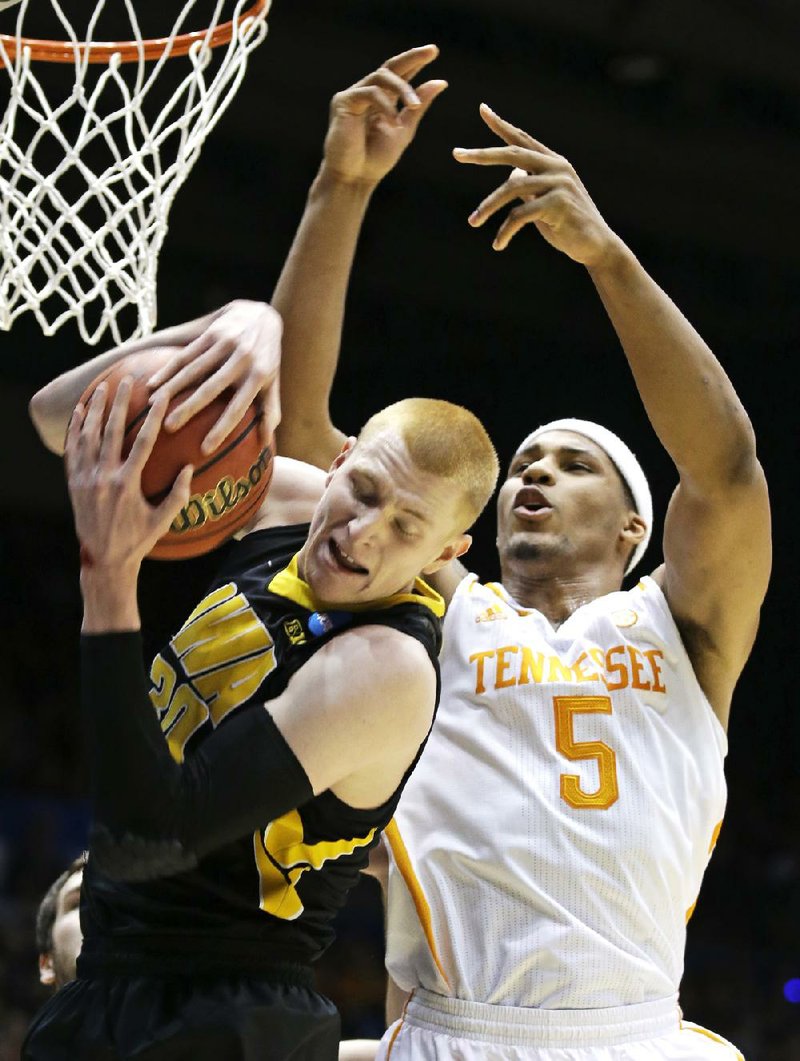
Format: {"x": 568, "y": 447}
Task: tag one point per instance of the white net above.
{"x": 89, "y": 169}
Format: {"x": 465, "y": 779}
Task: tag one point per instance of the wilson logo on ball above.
{"x": 228, "y": 486}
{"x": 216, "y": 503}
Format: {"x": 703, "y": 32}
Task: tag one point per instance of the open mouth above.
{"x": 531, "y": 503}
{"x": 343, "y": 560}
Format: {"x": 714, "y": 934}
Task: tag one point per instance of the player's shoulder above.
{"x": 643, "y": 600}
{"x": 294, "y": 492}
{"x": 378, "y": 657}
{"x": 469, "y": 588}
{"x": 482, "y": 598}
{"x": 396, "y": 659}
{"x": 648, "y": 592}
{"x": 382, "y": 645}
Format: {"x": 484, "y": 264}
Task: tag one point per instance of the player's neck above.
{"x": 557, "y": 596}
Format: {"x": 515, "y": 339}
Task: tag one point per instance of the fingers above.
{"x": 234, "y": 411}
{"x": 510, "y": 133}
{"x": 86, "y": 433}
{"x": 146, "y": 439}
{"x": 409, "y": 63}
{"x": 522, "y": 150}
{"x": 183, "y": 375}
{"x": 361, "y": 98}
{"x": 225, "y": 376}
{"x": 270, "y": 414}
{"x": 176, "y": 363}
{"x": 529, "y": 159}
{"x": 165, "y": 513}
{"x": 427, "y": 93}
{"x": 525, "y": 214}
{"x": 389, "y": 85}
{"x": 393, "y": 86}
{"x": 73, "y": 434}
{"x": 229, "y": 375}
{"x": 114, "y": 431}
{"x": 519, "y": 185}
{"x": 252, "y": 389}
{"x": 185, "y": 368}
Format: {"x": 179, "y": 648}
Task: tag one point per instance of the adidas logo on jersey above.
{"x": 494, "y": 611}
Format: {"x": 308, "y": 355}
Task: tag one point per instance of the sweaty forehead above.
{"x": 384, "y": 460}
{"x": 560, "y": 439}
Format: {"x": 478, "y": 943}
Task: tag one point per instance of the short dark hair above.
{"x": 46, "y": 914}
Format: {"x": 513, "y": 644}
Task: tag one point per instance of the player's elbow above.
{"x": 39, "y": 410}
{"x": 739, "y": 461}
{"x": 741, "y": 472}
{"x": 728, "y": 462}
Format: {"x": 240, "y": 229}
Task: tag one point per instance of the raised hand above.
{"x": 116, "y": 525}
{"x": 240, "y": 348}
{"x": 553, "y": 198}
{"x": 373, "y": 122}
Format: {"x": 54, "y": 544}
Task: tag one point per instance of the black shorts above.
{"x": 228, "y": 1018}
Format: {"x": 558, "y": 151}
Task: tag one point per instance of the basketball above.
{"x": 228, "y": 484}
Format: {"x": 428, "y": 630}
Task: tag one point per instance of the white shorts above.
{"x": 436, "y": 1028}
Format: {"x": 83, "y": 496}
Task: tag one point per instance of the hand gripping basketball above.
{"x": 116, "y": 525}
{"x": 239, "y": 352}
{"x": 227, "y": 484}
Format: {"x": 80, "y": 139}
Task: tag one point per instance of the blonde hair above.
{"x": 446, "y": 440}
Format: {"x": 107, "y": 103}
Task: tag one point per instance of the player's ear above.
{"x": 633, "y": 530}
{"x": 344, "y": 452}
{"x": 47, "y": 974}
{"x": 454, "y": 548}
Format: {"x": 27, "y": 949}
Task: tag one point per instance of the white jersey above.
{"x": 549, "y": 848}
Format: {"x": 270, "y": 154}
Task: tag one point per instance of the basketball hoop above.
{"x": 87, "y": 181}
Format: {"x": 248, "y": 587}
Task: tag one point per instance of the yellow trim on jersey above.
{"x": 401, "y": 857}
{"x": 498, "y": 591}
{"x": 287, "y": 583}
{"x": 711, "y": 846}
{"x": 283, "y": 855}
{"x": 688, "y": 1026}
{"x": 715, "y": 835}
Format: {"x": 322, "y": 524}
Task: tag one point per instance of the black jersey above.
{"x": 271, "y": 896}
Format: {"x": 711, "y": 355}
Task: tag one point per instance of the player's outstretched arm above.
{"x": 717, "y": 531}
{"x": 236, "y": 346}
{"x": 371, "y": 125}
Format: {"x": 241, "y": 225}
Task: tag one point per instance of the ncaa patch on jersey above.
{"x": 294, "y": 631}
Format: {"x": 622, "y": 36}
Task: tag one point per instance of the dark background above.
{"x": 682, "y": 119}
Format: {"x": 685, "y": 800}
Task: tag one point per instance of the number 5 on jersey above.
{"x": 607, "y": 793}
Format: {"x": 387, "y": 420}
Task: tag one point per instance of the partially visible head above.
{"x": 576, "y": 495}
{"x": 58, "y": 928}
{"x": 398, "y": 501}
{"x": 447, "y": 441}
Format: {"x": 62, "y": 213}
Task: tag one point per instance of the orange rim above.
{"x": 128, "y": 51}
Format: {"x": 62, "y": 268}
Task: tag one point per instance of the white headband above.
{"x": 626, "y": 463}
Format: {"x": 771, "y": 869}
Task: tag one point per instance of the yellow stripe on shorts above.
{"x": 688, "y": 1026}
